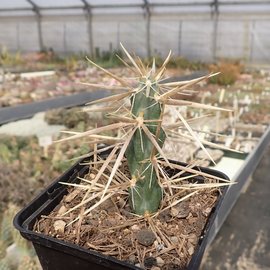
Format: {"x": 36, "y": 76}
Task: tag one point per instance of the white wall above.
{"x": 245, "y": 37}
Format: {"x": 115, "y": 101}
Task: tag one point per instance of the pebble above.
{"x": 159, "y": 247}
{"x": 62, "y": 210}
{"x": 183, "y": 210}
{"x": 59, "y": 226}
{"x": 135, "y": 228}
{"x": 174, "y": 212}
{"x": 174, "y": 240}
{"x": 165, "y": 216}
{"x": 132, "y": 258}
{"x": 207, "y": 211}
{"x": 149, "y": 262}
{"x": 146, "y": 237}
{"x": 191, "y": 250}
{"x": 126, "y": 231}
{"x": 92, "y": 176}
{"x": 192, "y": 238}
{"x": 160, "y": 262}
{"x": 192, "y": 220}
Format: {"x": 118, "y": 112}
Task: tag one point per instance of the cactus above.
{"x": 144, "y": 132}
{"x": 146, "y": 193}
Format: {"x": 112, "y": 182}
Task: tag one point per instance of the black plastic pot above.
{"x": 55, "y": 254}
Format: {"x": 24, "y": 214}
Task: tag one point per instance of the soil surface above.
{"x": 164, "y": 241}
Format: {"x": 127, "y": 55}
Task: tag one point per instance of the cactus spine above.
{"x": 145, "y": 191}
{"x": 143, "y": 136}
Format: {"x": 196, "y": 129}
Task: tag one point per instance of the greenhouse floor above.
{"x": 243, "y": 243}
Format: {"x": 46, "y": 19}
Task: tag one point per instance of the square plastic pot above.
{"x": 55, "y": 254}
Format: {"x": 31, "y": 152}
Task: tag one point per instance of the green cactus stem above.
{"x": 145, "y": 191}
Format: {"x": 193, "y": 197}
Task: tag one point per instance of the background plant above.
{"x": 15, "y": 252}
{"x": 229, "y": 72}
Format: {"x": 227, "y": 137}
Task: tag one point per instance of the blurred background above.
{"x": 199, "y": 30}
{"x": 43, "y": 44}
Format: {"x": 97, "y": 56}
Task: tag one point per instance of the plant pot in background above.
{"x": 55, "y": 254}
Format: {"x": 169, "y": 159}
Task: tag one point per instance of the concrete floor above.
{"x": 243, "y": 243}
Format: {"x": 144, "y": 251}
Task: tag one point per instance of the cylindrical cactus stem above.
{"x": 145, "y": 191}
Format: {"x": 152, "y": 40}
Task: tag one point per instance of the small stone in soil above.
{"x": 132, "y": 258}
{"x": 62, "y": 210}
{"x": 135, "y": 228}
{"x": 146, "y": 237}
{"x": 155, "y": 268}
{"x": 59, "y": 226}
{"x": 92, "y": 176}
{"x": 174, "y": 212}
{"x": 191, "y": 250}
{"x": 192, "y": 220}
{"x": 174, "y": 239}
{"x": 192, "y": 238}
{"x": 183, "y": 210}
{"x": 160, "y": 262}
{"x": 158, "y": 246}
{"x": 165, "y": 216}
{"x": 206, "y": 211}
{"x": 149, "y": 262}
